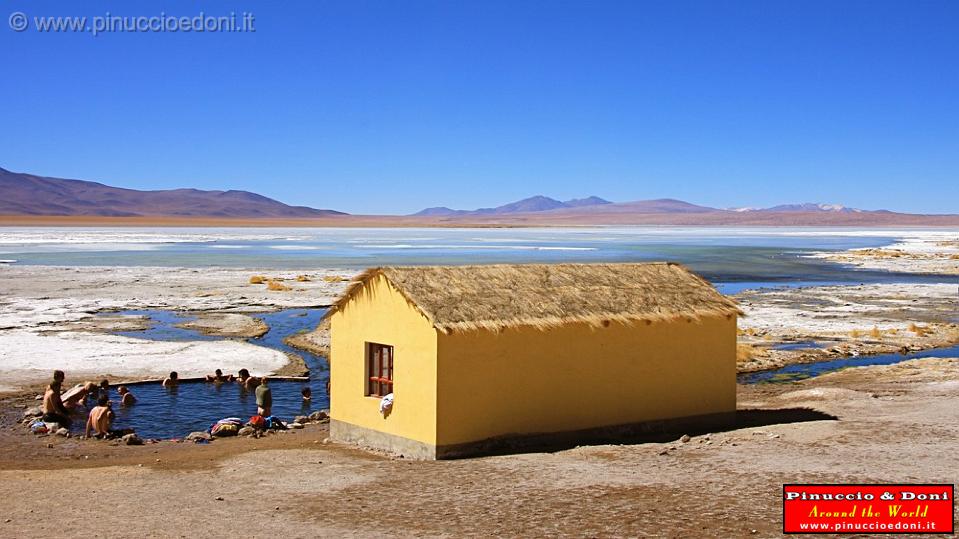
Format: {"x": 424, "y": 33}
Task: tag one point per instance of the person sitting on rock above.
{"x": 126, "y": 397}
{"x": 172, "y": 380}
{"x": 75, "y": 396}
{"x": 100, "y": 419}
{"x": 53, "y": 409}
{"x": 218, "y": 377}
{"x": 89, "y": 394}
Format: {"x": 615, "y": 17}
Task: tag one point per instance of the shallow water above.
{"x": 791, "y": 373}
{"x": 743, "y": 257}
{"x": 174, "y": 413}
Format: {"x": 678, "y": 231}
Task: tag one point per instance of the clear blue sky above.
{"x": 389, "y": 107}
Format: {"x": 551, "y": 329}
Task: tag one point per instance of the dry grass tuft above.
{"x": 334, "y": 278}
{"x": 920, "y": 331}
{"x": 880, "y": 253}
{"x": 856, "y": 333}
{"x": 277, "y": 286}
{"x": 875, "y": 332}
{"x": 303, "y": 278}
{"x": 257, "y": 279}
{"x": 745, "y": 352}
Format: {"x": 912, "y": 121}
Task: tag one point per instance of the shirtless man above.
{"x": 172, "y": 380}
{"x": 126, "y": 398}
{"x": 247, "y": 381}
{"x": 53, "y": 409}
{"x": 218, "y": 378}
{"x": 75, "y": 396}
{"x": 101, "y": 418}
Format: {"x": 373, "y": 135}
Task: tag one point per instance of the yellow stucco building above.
{"x": 476, "y": 357}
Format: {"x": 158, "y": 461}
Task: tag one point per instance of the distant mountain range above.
{"x": 527, "y": 205}
{"x": 27, "y": 198}
{"x": 540, "y": 203}
{"x": 542, "y": 210}
{"x": 808, "y": 207}
{"x": 26, "y": 194}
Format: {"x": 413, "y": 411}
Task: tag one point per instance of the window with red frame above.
{"x": 379, "y": 366}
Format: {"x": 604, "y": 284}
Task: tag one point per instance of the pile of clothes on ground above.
{"x": 232, "y": 426}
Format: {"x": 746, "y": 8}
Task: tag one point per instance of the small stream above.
{"x": 193, "y": 406}
{"x": 792, "y": 373}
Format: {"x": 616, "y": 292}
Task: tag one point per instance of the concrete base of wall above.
{"x": 517, "y": 443}
{"x": 342, "y": 431}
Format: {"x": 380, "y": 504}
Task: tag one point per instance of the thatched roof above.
{"x": 494, "y": 297}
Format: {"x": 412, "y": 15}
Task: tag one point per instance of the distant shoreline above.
{"x": 529, "y": 220}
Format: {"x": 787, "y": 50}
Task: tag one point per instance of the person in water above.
{"x": 53, "y": 409}
{"x": 100, "y": 419}
{"x": 307, "y": 394}
{"x": 247, "y": 381}
{"x": 218, "y": 377}
{"x": 264, "y": 398}
{"x": 105, "y": 387}
{"x": 126, "y": 398}
{"x": 171, "y": 380}
{"x": 89, "y": 394}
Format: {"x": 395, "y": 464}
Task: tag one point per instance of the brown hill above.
{"x": 26, "y": 194}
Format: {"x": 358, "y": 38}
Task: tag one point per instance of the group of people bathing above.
{"x": 258, "y": 384}
{"x": 56, "y": 408}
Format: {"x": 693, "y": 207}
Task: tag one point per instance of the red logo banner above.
{"x": 893, "y": 508}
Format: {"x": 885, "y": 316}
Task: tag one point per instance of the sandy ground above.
{"x": 47, "y": 319}
{"x": 720, "y": 484}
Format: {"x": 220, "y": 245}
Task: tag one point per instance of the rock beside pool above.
{"x": 301, "y": 419}
{"x": 319, "y": 415}
{"x": 198, "y": 436}
{"x": 63, "y": 432}
{"x": 131, "y": 439}
{"x": 296, "y": 425}
{"x": 316, "y": 341}
{"x": 32, "y": 412}
{"x": 227, "y": 325}
{"x": 106, "y": 324}
{"x": 246, "y": 431}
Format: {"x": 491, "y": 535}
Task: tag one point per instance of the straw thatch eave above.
{"x": 543, "y": 296}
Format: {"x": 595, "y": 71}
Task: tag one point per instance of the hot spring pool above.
{"x": 173, "y": 413}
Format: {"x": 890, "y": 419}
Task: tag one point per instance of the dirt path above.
{"x": 894, "y": 423}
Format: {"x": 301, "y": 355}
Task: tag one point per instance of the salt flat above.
{"x": 41, "y": 305}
